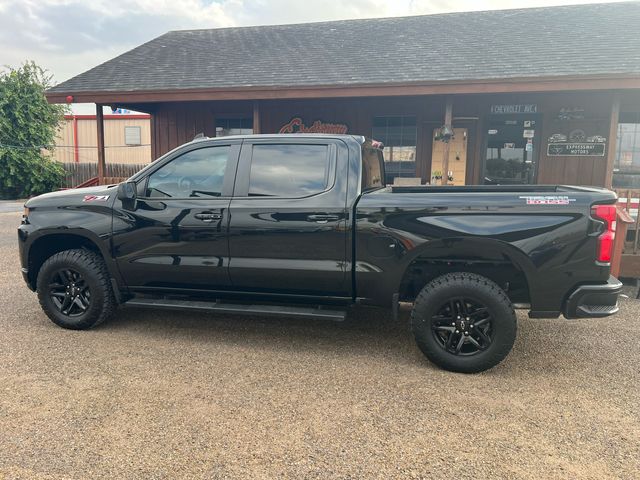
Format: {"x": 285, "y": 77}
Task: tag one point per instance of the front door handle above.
{"x": 208, "y": 216}
{"x": 323, "y": 218}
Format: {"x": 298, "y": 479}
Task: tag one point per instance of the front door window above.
{"x": 511, "y": 154}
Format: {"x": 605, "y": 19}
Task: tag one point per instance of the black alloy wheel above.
{"x": 462, "y": 326}
{"x": 69, "y": 292}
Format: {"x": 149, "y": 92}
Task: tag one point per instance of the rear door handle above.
{"x": 323, "y": 218}
{"x": 208, "y": 216}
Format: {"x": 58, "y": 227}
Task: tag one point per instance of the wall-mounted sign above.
{"x": 528, "y": 133}
{"x": 576, "y": 149}
{"x": 296, "y": 125}
{"x": 514, "y": 108}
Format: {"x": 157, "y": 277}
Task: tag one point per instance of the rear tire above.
{"x": 74, "y": 289}
{"x": 464, "y": 322}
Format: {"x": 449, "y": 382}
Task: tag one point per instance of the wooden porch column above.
{"x": 448, "y": 119}
{"x": 612, "y": 140}
{"x": 101, "y": 157}
{"x": 256, "y": 117}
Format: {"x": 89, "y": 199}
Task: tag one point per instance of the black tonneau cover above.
{"x": 492, "y": 188}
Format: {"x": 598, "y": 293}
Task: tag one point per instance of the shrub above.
{"x": 28, "y": 123}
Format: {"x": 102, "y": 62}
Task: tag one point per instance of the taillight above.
{"x": 608, "y": 214}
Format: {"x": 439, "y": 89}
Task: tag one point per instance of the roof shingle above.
{"x": 554, "y": 41}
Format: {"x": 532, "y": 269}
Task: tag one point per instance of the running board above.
{"x": 241, "y": 309}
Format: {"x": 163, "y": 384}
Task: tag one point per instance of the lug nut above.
{"x": 457, "y": 331}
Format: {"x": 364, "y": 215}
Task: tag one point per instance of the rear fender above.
{"x": 466, "y": 250}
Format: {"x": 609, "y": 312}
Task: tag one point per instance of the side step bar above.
{"x": 242, "y": 309}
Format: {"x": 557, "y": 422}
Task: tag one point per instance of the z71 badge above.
{"x": 95, "y": 198}
{"x": 548, "y": 199}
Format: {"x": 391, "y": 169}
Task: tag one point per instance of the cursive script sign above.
{"x": 296, "y": 125}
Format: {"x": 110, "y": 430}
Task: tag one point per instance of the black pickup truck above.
{"x": 303, "y": 225}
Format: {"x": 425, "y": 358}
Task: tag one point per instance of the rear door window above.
{"x": 289, "y": 170}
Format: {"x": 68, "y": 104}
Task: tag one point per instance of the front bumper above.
{"x": 23, "y": 235}
{"x": 594, "y": 300}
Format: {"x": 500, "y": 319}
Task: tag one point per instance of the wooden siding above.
{"x": 115, "y": 149}
{"x": 589, "y": 170}
{"x": 175, "y": 123}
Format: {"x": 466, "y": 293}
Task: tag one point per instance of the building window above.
{"x": 626, "y": 166}
{"x": 398, "y": 134}
{"x": 234, "y": 126}
{"x": 132, "y": 136}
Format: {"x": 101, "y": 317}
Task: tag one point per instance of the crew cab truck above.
{"x": 303, "y": 225}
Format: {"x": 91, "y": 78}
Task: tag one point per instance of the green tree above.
{"x": 27, "y": 122}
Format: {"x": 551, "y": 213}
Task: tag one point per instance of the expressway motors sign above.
{"x": 576, "y": 149}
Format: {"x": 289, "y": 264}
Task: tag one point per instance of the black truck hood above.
{"x": 102, "y": 194}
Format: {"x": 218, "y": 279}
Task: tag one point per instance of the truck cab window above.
{"x": 372, "y": 161}
{"x": 198, "y": 173}
{"x": 289, "y": 170}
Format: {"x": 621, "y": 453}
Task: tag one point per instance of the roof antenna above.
{"x": 199, "y": 136}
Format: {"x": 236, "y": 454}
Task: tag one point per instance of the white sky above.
{"x": 68, "y": 37}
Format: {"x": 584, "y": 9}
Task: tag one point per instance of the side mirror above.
{"x": 127, "y": 191}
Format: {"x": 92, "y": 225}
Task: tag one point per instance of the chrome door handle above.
{"x": 323, "y": 218}
{"x": 208, "y": 217}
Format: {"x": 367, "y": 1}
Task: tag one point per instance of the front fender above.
{"x": 91, "y": 222}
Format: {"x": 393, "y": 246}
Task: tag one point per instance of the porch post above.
{"x": 101, "y": 158}
{"x": 448, "y": 118}
{"x": 256, "y": 117}
{"x": 612, "y": 140}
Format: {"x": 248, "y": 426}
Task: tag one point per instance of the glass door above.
{"x": 511, "y": 155}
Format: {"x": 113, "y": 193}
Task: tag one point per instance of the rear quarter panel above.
{"x": 554, "y": 245}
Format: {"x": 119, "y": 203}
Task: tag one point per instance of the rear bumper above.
{"x": 594, "y": 300}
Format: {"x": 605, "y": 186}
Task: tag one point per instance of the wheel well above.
{"x": 507, "y": 275}
{"x": 44, "y": 247}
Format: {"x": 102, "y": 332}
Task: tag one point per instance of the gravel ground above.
{"x": 176, "y": 395}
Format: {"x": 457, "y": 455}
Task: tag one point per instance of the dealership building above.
{"x": 539, "y": 95}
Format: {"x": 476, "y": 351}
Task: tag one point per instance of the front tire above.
{"x": 74, "y": 289}
{"x": 464, "y": 322}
